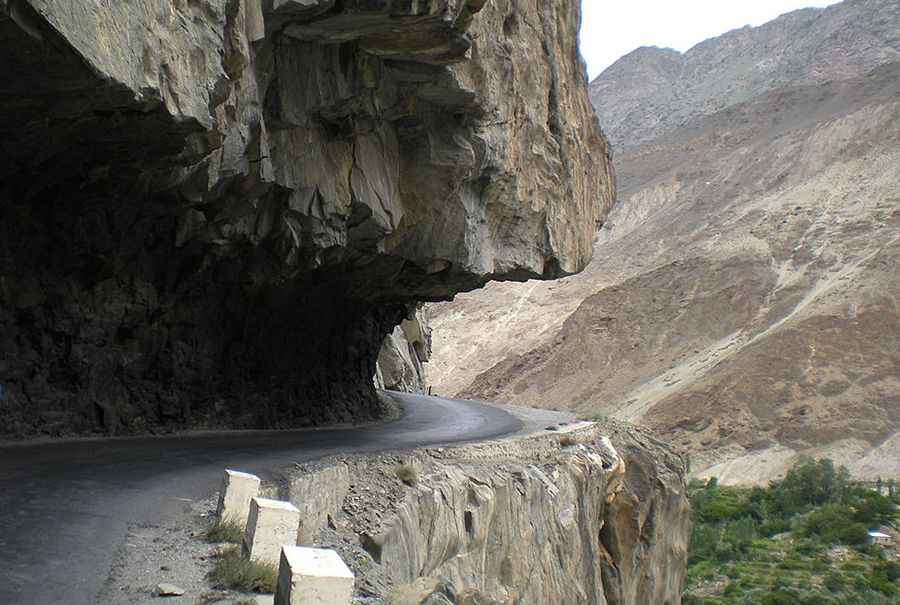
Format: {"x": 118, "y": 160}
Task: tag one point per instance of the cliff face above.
{"x": 594, "y": 515}
{"x": 401, "y": 361}
{"x": 214, "y": 211}
{"x": 743, "y": 298}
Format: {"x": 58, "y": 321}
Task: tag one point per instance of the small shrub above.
{"x": 567, "y": 441}
{"x": 859, "y": 581}
{"x": 792, "y": 565}
{"x": 854, "y": 566}
{"x": 408, "y": 474}
{"x": 873, "y": 550}
{"x": 814, "y": 598}
{"x": 773, "y": 527}
{"x": 891, "y": 570}
{"x": 835, "y": 582}
{"x": 233, "y": 571}
{"x": 884, "y": 577}
{"x": 820, "y": 565}
{"x": 224, "y": 530}
{"x": 782, "y": 596}
{"x": 704, "y": 539}
{"x": 779, "y": 582}
{"x": 806, "y": 547}
{"x": 701, "y": 572}
{"x": 883, "y": 585}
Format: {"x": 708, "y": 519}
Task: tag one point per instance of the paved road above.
{"x": 65, "y": 506}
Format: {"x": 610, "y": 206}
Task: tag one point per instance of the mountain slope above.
{"x": 743, "y": 300}
{"x": 652, "y": 91}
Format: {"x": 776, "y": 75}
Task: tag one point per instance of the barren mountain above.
{"x": 652, "y": 91}
{"x": 743, "y": 298}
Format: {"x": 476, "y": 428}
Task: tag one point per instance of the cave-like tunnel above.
{"x": 212, "y": 212}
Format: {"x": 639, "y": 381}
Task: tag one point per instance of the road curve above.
{"x": 65, "y": 506}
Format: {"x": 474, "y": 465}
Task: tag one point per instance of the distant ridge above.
{"x": 651, "y": 90}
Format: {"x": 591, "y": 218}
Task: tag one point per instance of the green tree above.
{"x": 703, "y": 542}
{"x": 834, "y": 524}
{"x": 835, "y": 582}
{"x": 810, "y": 483}
{"x": 874, "y": 509}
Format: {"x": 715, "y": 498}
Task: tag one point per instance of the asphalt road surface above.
{"x": 65, "y": 506}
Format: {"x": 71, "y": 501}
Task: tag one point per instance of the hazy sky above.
{"x": 613, "y": 28}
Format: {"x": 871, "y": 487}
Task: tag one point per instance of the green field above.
{"x": 800, "y": 541}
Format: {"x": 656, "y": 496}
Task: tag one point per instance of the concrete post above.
{"x": 234, "y": 499}
{"x": 271, "y": 525}
{"x": 312, "y": 576}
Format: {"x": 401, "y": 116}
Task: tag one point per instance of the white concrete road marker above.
{"x": 271, "y": 525}
{"x": 313, "y": 576}
{"x": 234, "y": 499}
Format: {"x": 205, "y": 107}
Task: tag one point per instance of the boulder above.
{"x": 165, "y": 589}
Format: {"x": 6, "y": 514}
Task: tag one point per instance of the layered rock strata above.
{"x": 401, "y": 361}
{"x": 213, "y": 211}
{"x": 591, "y": 515}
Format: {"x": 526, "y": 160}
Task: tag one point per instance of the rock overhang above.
{"x": 209, "y": 199}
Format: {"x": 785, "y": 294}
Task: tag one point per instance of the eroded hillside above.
{"x": 743, "y": 300}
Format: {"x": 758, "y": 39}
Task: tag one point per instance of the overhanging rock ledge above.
{"x": 213, "y": 211}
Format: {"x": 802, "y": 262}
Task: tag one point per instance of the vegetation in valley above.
{"x": 803, "y": 540}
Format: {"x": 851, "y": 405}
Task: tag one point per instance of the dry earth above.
{"x": 173, "y": 552}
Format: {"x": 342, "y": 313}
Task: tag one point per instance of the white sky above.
{"x": 612, "y": 28}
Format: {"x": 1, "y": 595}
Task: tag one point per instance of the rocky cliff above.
{"x": 403, "y": 355}
{"x": 592, "y": 514}
{"x": 743, "y": 298}
{"x": 214, "y": 211}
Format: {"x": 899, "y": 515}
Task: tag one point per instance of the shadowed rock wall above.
{"x": 213, "y": 211}
{"x": 401, "y": 360}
